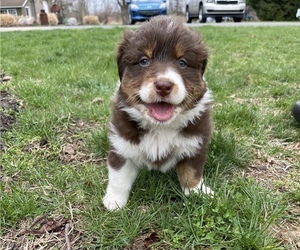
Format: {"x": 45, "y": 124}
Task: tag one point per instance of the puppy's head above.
{"x": 161, "y": 67}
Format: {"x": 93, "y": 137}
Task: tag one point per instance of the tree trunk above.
{"x": 124, "y": 11}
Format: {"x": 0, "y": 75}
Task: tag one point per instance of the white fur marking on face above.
{"x": 179, "y": 120}
{"x": 119, "y": 185}
{"x": 174, "y": 98}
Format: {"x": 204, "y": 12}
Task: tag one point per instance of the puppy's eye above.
{"x": 144, "y": 62}
{"x": 182, "y": 63}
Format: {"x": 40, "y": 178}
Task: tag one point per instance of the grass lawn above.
{"x": 53, "y": 173}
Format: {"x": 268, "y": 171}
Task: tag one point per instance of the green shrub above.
{"x": 275, "y": 10}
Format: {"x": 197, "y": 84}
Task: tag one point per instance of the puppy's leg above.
{"x": 120, "y": 181}
{"x": 190, "y": 177}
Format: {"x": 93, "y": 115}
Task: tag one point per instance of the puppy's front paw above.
{"x": 114, "y": 201}
{"x": 198, "y": 189}
{"x": 204, "y": 189}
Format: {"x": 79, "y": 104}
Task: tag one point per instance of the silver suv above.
{"x": 217, "y": 9}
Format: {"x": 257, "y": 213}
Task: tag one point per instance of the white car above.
{"x": 202, "y": 9}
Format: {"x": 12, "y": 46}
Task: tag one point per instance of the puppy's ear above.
{"x": 128, "y": 34}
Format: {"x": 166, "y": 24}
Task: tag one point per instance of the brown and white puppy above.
{"x": 160, "y": 114}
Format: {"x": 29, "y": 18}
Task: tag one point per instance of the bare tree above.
{"x": 176, "y": 7}
{"x": 68, "y": 8}
{"x": 107, "y": 11}
{"x": 82, "y": 9}
{"x": 124, "y": 11}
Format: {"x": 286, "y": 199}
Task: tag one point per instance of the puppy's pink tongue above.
{"x": 161, "y": 111}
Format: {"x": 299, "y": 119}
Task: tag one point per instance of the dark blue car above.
{"x": 141, "y": 10}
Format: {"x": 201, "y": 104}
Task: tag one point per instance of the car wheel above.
{"x": 237, "y": 19}
{"x": 202, "y": 19}
{"x": 188, "y": 18}
{"x": 219, "y": 19}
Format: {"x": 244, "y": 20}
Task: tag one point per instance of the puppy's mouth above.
{"x": 160, "y": 111}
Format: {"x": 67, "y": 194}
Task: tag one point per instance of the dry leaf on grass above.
{"x": 74, "y": 148}
{"x": 68, "y": 149}
{"x": 4, "y": 78}
{"x": 289, "y": 234}
{"x": 43, "y": 224}
{"x": 44, "y": 233}
{"x": 144, "y": 242}
{"x": 35, "y": 145}
{"x": 97, "y": 100}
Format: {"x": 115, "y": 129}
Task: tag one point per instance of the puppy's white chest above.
{"x": 159, "y": 145}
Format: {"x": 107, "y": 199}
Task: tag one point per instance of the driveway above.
{"x": 223, "y": 24}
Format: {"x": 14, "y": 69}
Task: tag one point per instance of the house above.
{"x": 21, "y": 7}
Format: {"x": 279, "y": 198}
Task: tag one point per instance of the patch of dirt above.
{"x": 6, "y": 122}
{"x": 288, "y": 233}
{"x": 144, "y": 242}
{"x": 37, "y": 145}
{"x": 43, "y": 233}
{"x": 4, "y": 78}
{"x": 74, "y": 149}
{"x": 9, "y": 104}
{"x": 280, "y": 174}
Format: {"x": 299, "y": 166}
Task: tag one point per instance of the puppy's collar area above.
{"x": 160, "y": 111}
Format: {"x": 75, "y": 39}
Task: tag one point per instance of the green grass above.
{"x": 254, "y": 75}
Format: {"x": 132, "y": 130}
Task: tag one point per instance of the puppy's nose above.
{"x": 163, "y": 87}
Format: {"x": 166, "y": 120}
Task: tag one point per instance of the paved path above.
{"x": 223, "y": 24}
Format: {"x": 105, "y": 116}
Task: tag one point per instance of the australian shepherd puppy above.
{"x": 161, "y": 111}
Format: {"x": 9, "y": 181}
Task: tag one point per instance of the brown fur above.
{"x": 164, "y": 44}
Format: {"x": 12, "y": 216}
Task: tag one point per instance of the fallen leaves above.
{"x": 277, "y": 173}
{"x": 74, "y": 149}
{"x": 144, "y": 242}
{"x": 68, "y": 149}
{"x": 288, "y": 233}
{"x": 8, "y": 105}
{"x": 4, "y": 78}
{"x": 281, "y": 174}
{"x": 44, "y": 232}
{"x": 36, "y": 145}
{"x": 43, "y": 224}
{"x": 98, "y": 100}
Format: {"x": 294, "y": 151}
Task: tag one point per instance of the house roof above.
{"x": 12, "y": 3}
